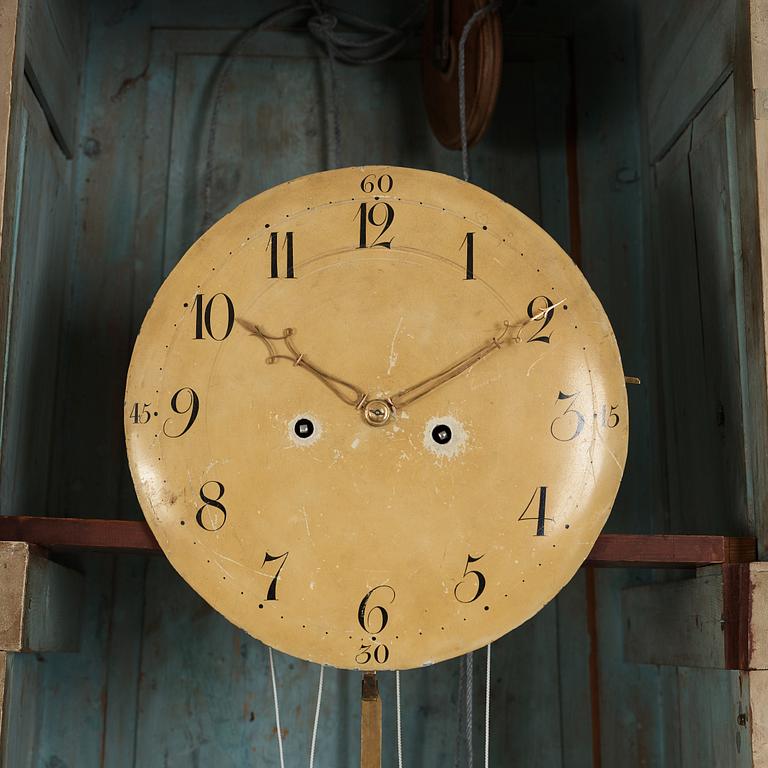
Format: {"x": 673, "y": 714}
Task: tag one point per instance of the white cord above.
{"x": 317, "y": 718}
{"x": 399, "y": 724}
{"x": 487, "y": 703}
{"x": 277, "y": 707}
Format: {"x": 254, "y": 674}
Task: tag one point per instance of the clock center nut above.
{"x": 377, "y": 412}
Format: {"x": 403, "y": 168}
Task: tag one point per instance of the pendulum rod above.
{"x": 370, "y": 723}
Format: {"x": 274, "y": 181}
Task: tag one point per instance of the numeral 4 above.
{"x": 540, "y": 517}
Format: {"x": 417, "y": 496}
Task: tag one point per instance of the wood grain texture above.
{"x": 687, "y": 51}
{"x": 54, "y": 50}
{"x": 708, "y": 621}
{"x": 38, "y": 274}
{"x": 750, "y": 80}
{"x": 39, "y": 601}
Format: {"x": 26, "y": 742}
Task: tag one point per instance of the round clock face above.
{"x": 376, "y": 417}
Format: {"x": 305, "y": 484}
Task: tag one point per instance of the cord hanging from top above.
{"x": 344, "y": 37}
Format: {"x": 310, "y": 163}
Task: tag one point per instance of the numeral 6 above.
{"x": 377, "y": 613}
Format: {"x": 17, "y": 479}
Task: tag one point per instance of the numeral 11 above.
{"x": 274, "y": 249}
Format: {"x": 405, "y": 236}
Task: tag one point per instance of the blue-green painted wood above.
{"x": 163, "y": 680}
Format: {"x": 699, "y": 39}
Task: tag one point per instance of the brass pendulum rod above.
{"x": 370, "y": 723}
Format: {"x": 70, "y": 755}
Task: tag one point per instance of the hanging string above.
{"x": 476, "y": 16}
{"x": 317, "y": 718}
{"x": 459, "y": 715}
{"x": 277, "y": 707}
{"x": 343, "y": 36}
{"x": 399, "y": 724}
{"x": 487, "y": 703}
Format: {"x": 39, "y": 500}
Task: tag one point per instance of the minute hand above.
{"x": 410, "y": 394}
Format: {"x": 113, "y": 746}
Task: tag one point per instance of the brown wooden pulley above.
{"x": 483, "y": 60}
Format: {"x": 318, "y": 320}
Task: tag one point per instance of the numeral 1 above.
{"x": 274, "y": 248}
{"x": 541, "y": 516}
{"x": 469, "y": 240}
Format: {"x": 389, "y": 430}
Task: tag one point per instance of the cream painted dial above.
{"x": 376, "y": 417}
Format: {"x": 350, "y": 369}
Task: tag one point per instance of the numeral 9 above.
{"x": 192, "y": 409}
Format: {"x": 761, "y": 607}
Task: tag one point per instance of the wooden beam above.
{"x": 660, "y": 551}
{"x": 715, "y": 620}
{"x": 39, "y": 601}
{"x": 74, "y": 533}
{"x": 610, "y": 550}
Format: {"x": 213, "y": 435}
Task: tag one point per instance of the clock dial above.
{"x": 376, "y": 417}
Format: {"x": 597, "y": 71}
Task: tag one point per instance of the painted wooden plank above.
{"x": 711, "y": 703}
{"x": 54, "y": 49}
{"x": 636, "y": 708}
{"x": 21, "y": 717}
{"x": 3, "y": 657}
{"x": 39, "y": 601}
{"x": 750, "y": 81}
{"x": 679, "y": 623}
{"x": 12, "y": 132}
{"x": 755, "y": 717}
{"x": 687, "y": 50}
{"x": 38, "y": 284}
{"x": 716, "y": 210}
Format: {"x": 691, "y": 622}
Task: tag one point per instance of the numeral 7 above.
{"x": 272, "y": 591}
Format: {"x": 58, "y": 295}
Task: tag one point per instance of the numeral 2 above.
{"x": 274, "y": 248}
{"x": 272, "y": 591}
{"x": 543, "y": 314}
{"x": 541, "y": 515}
{"x": 382, "y": 220}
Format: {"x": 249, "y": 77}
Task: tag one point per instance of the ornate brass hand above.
{"x": 347, "y": 392}
{"x": 410, "y": 394}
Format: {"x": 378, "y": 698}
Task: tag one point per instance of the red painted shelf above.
{"x": 610, "y": 550}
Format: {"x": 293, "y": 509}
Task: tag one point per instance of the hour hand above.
{"x": 347, "y": 392}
